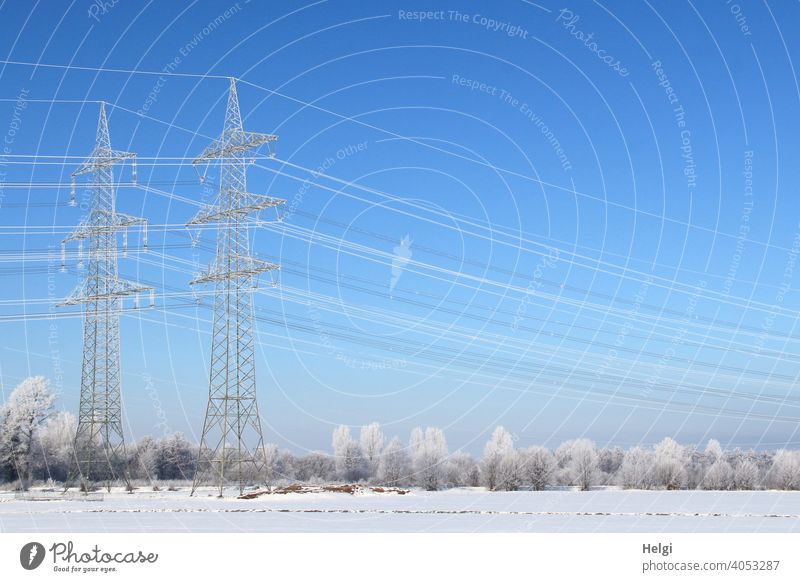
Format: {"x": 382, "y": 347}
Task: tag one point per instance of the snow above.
{"x": 455, "y": 510}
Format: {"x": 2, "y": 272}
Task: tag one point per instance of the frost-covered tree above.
{"x": 636, "y": 471}
{"x": 538, "y": 467}
{"x": 785, "y": 470}
{"x": 27, "y": 408}
{"x": 578, "y": 463}
{"x": 372, "y": 440}
{"x": 719, "y": 476}
{"x": 287, "y": 466}
{"x": 416, "y": 444}
{"x": 563, "y": 455}
{"x": 175, "y": 458}
{"x": 428, "y": 454}
{"x": 272, "y": 467}
{"x": 53, "y": 451}
{"x": 8, "y": 472}
{"x": 500, "y": 446}
{"x": 349, "y": 461}
{"x": 315, "y": 467}
{"x": 394, "y": 466}
{"x": 461, "y": 470}
{"x": 584, "y": 463}
{"x": 713, "y": 452}
{"x": 763, "y": 461}
{"x": 745, "y": 475}
{"x": 609, "y": 462}
{"x": 670, "y": 465}
{"x": 696, "y": 465}
{"x": 142, "y": 459}
{"x": 509, "y": 474}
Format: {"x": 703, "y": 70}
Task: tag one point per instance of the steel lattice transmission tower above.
{"x": 232, "y": 444}
{"x": 99, "y": 443}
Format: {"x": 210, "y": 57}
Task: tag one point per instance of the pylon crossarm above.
{"x": 82, "y": 231}
{"x": 229, "y": 146}
{"x": 251, "y": 268}
{"x": 214, "y": 213}
{"x": 91, "y": 226}
{"x": 125, "y": 288}
{"x": 122, "y": 288}
{"x": 102, "y": 158}
{"x": 74, "y": 297}
{"x": 125, "y": 220}
{"x": 258, "y": 202}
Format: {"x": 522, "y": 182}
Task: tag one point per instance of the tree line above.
{"x": 36, "y": 446}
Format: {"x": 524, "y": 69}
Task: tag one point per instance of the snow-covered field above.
{"x": 456, "y": 510}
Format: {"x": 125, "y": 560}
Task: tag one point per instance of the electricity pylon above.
{"x": 232, "y": 444}
{"x": 99, "y": 445}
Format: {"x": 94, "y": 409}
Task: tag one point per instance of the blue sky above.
{"x": 600, "y": 199}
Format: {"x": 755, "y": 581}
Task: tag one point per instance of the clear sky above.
{"x": 571, "y": 220}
